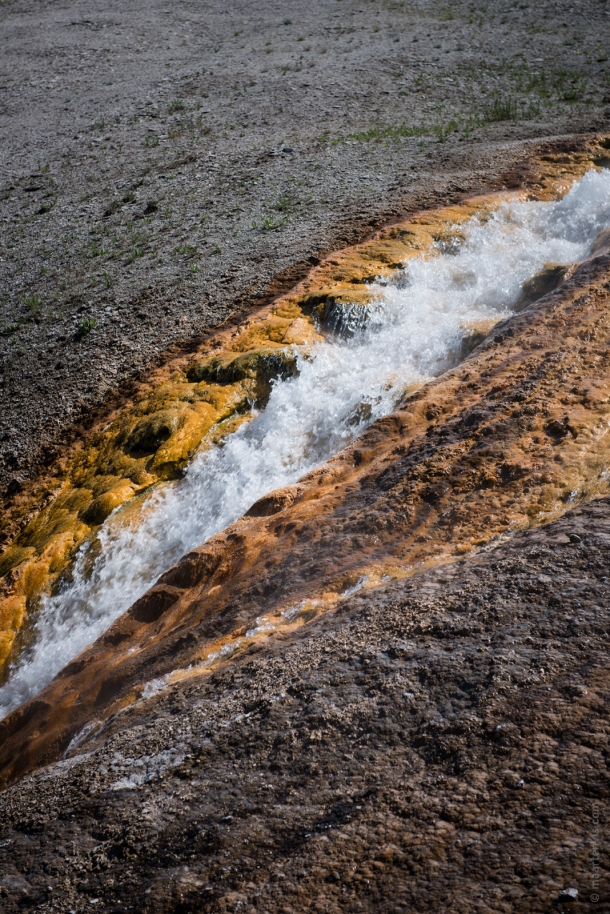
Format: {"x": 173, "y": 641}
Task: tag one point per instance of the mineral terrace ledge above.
{"x": 208, "y": 397}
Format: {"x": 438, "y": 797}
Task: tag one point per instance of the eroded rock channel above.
{"x": 273, "y": 399}
{"x": 458, "y": 440}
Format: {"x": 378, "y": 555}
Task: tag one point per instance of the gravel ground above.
{"x": 438, "y": 745}
{"x": 162, "y": 166}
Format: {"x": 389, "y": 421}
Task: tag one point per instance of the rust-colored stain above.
{"x": 210, "y": 396}
{"x": 514, "y": 435}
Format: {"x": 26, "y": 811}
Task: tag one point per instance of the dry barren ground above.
{"x": 161, "y": 164}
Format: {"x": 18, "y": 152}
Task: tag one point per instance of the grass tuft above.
{"x": 393, "y": 132}
{"x": 501, "y": 109}
{"x": 86, "y": 325}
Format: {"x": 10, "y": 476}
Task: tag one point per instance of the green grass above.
{"x": 47, "y": 206}
{"x": 559, "y": 82}
{"x": 86, "y": 325}
{"x": 94, "y": 250}
{"x": 32, "y": 303}
{"x": 445, "y": 129}
{"x": 134, "y": 254}
{"x": 573, "y": 93}
{"x": 501, "y": 109}
{"x": 269, "y": 224}
{"x": 287, "y": 203}
{"x": 393, "y": 132}
{"x": 112, "y": 208}
{"x": 185, "y": 250}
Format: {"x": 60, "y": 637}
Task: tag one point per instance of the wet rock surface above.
{"x": 193, "y": 403}
{"x": 513, "y": 436}
{"x": 436, "y": 743}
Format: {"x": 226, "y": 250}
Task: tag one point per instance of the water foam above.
{"x": 412, "y": 334}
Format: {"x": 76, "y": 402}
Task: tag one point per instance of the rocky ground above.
{"x": 160, "y": 166}
{"x": 439, "y": 744}
{"x": 429, "y": 744}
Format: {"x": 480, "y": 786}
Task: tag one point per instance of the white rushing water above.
{"x": 413, "y": 334}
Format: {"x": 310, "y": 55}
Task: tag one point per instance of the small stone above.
{"x": 14, "y": 486}
{"x": 568, "y": 895}
{"x": 575, "y": 538}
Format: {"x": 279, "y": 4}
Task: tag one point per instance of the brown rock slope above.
{"x": 439, "y": 745}
{"x": 514, "y": 436}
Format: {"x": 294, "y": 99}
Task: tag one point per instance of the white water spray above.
{"x": 412, "y": 334}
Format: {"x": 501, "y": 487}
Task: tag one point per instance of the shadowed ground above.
{"x": 439, "y": 744}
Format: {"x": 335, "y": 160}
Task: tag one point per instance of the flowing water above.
{"x": 357, "y": 375}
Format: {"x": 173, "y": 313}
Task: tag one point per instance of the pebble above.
{"x": 14, "y": 486}
{"x": 568, "y": 895}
